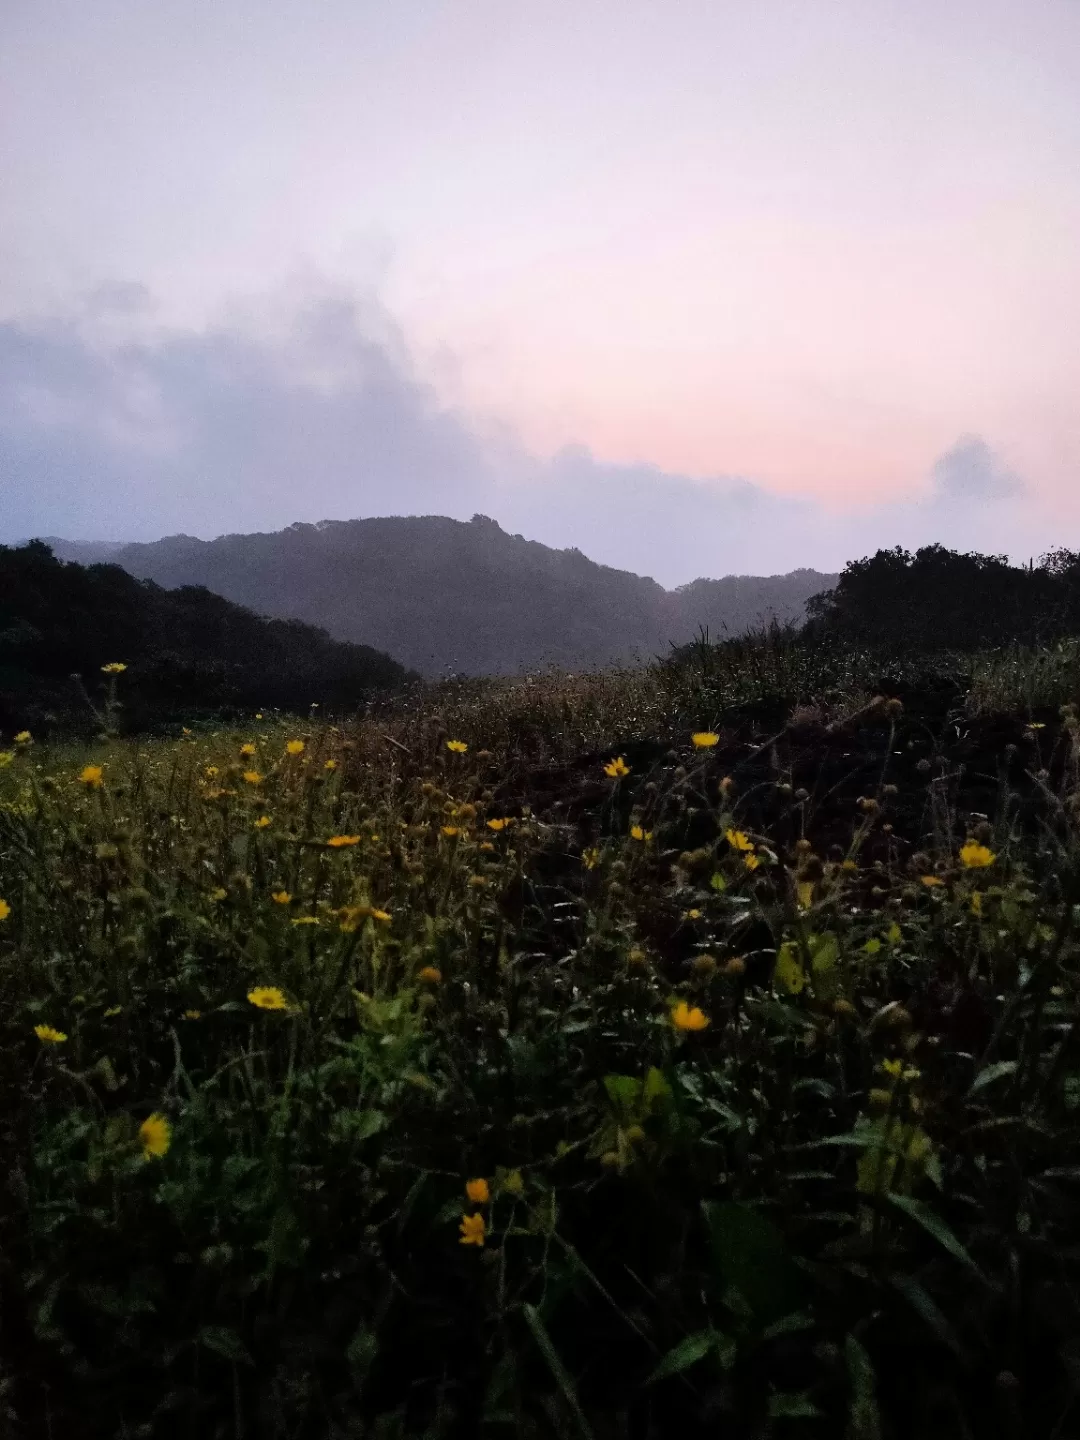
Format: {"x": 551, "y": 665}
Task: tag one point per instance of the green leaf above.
{"x": 718, "y": 882}
{"x": 927, "y": 1308}
{"x": 688, "y": 1352}
{"x": 225, "y": 1342}
{"x": 992, "y": 1073}
{"x": 361, "y": 1350}
{"x": 555, "y": 1365}
{"x": 750, "y": 1257}
{"x": 935, "y": 1226}
{"x": 864, "y": 1419}
{"x": 656, "y": 1086}
{"x": 354, "y": 1125}
{"x": 788, "y": 973}
{"x": 792, "y": 1407}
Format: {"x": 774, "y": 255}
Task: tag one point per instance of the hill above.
{"x": 192, "y": 652}
{"x": 441, "y": 594}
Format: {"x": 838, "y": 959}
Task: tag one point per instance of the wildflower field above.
{"x": 692, "y": 1051}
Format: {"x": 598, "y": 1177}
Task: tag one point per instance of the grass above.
{"x": 755, "y": 1070}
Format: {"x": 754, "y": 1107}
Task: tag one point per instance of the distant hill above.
{"x": 444, "y": 595}
{"x": 189, "y": 652}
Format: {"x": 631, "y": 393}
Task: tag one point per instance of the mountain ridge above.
{"x": 464, "y": 596}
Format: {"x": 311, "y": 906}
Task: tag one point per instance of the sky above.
{"x": 702, "y": 288}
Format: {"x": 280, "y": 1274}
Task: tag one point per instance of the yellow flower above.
{"x": 931, "y": 881}
{"x": 705, "y": 739}
{"x": 638, "y": 833}
{"x": 92, "y": 775}
{"x": 24, "y": 738}
{"x": 263, "y": 822}
{"x": 616, "y": 769}
{"x": 738, "y": 840}
{"x": 499, "y": 824}
{"x": 849, "y": 867}
{"x": 450, "y": 831}
{"x": 268, "y": 997}
{"x": 211, "y": 772}
{"x": 487, "y": 847}
{"x": 473, "y": 1229}
{"x": 247, "y": 749}
{"x": 590, "y": 858}
{"x": 636, "y": 957}
{"x": 893, "y": 1068}
{"x": 5, "y": 909}
{"x": 48, "y": 1036}
{"x": 478, "y": 1191}
{"x": 751, "y": 862}
{"x": 430, "y": 975}
{"x": 192, "y": 1015}
{"x": 253, "y": 777}
{"x": 294, "y": 747}
{"x": 688, "y": 1017}
{"x": 459, "y": 747}
{"x": 281, "y": 897}
{"x": 694, "y": 914}
{"x": 330, "y": 765}
{"x": 513, "y": 1183}
{"x": 115, "y": 667}
{"x": 155, "y": 1136}
{"x": 6, "y": 757}
{"x": 339, "y": 842}
{"x": 218, "y": 894}
{"x": 383, "y": 916}
{"x": 258, "y": 715}
{"x": 976, "y": 857}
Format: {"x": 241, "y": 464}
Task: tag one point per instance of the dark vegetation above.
{"x": 845, "y": 1206}
{"x": 196, "y": 654}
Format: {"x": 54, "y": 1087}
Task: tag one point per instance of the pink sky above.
{"x": 809, "y": 243}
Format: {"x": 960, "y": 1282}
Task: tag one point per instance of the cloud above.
{"x": 307, "y": 406}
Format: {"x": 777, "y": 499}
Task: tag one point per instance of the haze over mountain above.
{"x": 444, "y": 595}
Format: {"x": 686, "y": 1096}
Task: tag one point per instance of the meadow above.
{"x": 689, "y": 1050}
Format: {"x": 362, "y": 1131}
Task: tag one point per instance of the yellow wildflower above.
{"x": 258, "y": 715}
{"x": 92, "y": 775}
{"x": 211, "y": 772}
{"x": 694, "y": 914}
{"x": 155, "y": 1136}
{"x": 849, "y": 867}
{"x": 330, "y": 765}
{"x": 751, "y": 862}
{"x": 383, "y": 916}
{"x": 738, "y": 841}
{"x": 590, "y": 858}
{"x": 48, "y": 1036}
{"x": 5, "y": 909}
{"x": 248, "y": 748}
{"x": 281, "y": 897}
{"x": 450, "y": 831}
{"x": 893, "y": 1068}
{"x": 262, "y": 822}
{"x": 974, "y": 856}
{"x": 268, "y": 997}
{"x": 458, "y": 747}
{"x": 192, "y": 1015}
{"x": 24, "y": 738}
{"x": 430, "y": 975}
{"x": 294, "y": 747}
{"x": 115, "y": 667}
{"x": 6, "y": 757}
{"x": 705, "y": 739}
{"x": 487, "y": 847}
{"x": 218, "y": 894}
{"x": 931, "y": 881}
{"x": 478, "y": 1191}
{"x": 617, "y": 768}
{"x": 339, "y": 842}
{"x": 688, "y": 1017}
{"x": 638, "y": 833}
{"x": 499, "y": 824}
{"x": 473, "y": 1229}
{"x": 253, "y": 777}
